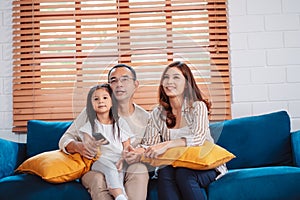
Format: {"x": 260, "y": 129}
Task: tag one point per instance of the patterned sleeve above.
{"x": 200, "y": 124}
{"x": 153, "y": 130}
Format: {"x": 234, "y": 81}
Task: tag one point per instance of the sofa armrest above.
{"x": 295, "y": 142}
{"x": 11, "y": 156}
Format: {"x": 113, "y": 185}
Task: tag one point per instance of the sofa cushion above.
{"x": 56, "y": 166}
{"x": 206, "y": 156}
{"x": 256, "y": 141}
{"x": 29, "y": 187}
{"x": 272, "y": 183}
{"x": 44, "y": 136}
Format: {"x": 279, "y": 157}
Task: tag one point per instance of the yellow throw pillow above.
{"x": 56, "y": 166}
{"x": 206, "y": 156}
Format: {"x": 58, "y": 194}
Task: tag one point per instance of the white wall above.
{"x": 265, "y": 60}
{"x": 265, "y": 57}
{"x": 6, "y": 71}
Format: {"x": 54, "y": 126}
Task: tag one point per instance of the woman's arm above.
{"x": 158, "y": 149}
{"x": 200, "y": 124}
{"x": 199, "y": 128}
{"x": 154, "y": 129}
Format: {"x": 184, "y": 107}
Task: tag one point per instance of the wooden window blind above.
{"x": 63, "y": 47}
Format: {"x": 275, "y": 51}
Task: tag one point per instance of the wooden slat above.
{"x": 62, "y": 48}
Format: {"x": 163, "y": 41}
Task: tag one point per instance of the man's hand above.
{"x": 87, "y": 148}
{"x": 90, "y": 146}
{"x": 132, "y": 155}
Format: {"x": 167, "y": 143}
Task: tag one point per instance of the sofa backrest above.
{"x": 44, "y": 136}
{"x": 12, "y": 154}
{"x": 256, "y": 141}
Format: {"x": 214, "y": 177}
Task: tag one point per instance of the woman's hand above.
{"x": 156, "y": 150}
{"x": 160, "y": 148}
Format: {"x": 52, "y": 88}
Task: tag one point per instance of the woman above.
{"x": 180, "y": 119}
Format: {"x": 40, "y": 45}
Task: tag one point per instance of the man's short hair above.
{"x": 123, "y": 65}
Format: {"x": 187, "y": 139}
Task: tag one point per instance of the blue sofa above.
{"x": 267, "y": 163}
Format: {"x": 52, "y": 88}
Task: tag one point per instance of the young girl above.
{"x": 103, "y": 118}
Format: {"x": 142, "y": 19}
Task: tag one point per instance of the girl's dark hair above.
{"x": 113, "y": 112}
{"x": 191, "y": 92}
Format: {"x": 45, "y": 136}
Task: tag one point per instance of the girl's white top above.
{"x": 113, "y": 150}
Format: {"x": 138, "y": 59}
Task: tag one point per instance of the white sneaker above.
{"x": 121, "y": 197}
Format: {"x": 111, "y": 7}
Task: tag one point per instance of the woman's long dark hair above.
{"x": 191, "y": 92}
{"x": 113, "y": 112}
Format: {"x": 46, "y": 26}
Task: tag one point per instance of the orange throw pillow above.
{"x": 56, "y": 166}
{"x": 206, "y": 156}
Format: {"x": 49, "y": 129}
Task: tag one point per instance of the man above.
{"x": 123, "y": 81}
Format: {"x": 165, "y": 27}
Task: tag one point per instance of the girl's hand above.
{"x": 119, "y": 165}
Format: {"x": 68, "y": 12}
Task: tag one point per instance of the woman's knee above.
{"x": 183, "y": 174}
{"x": 200, "y": 177}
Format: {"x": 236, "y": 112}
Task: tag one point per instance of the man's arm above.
{"x": 88, "y": 148}
{"x": 71, "y": 142}
{"x": 72, "y": 133}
